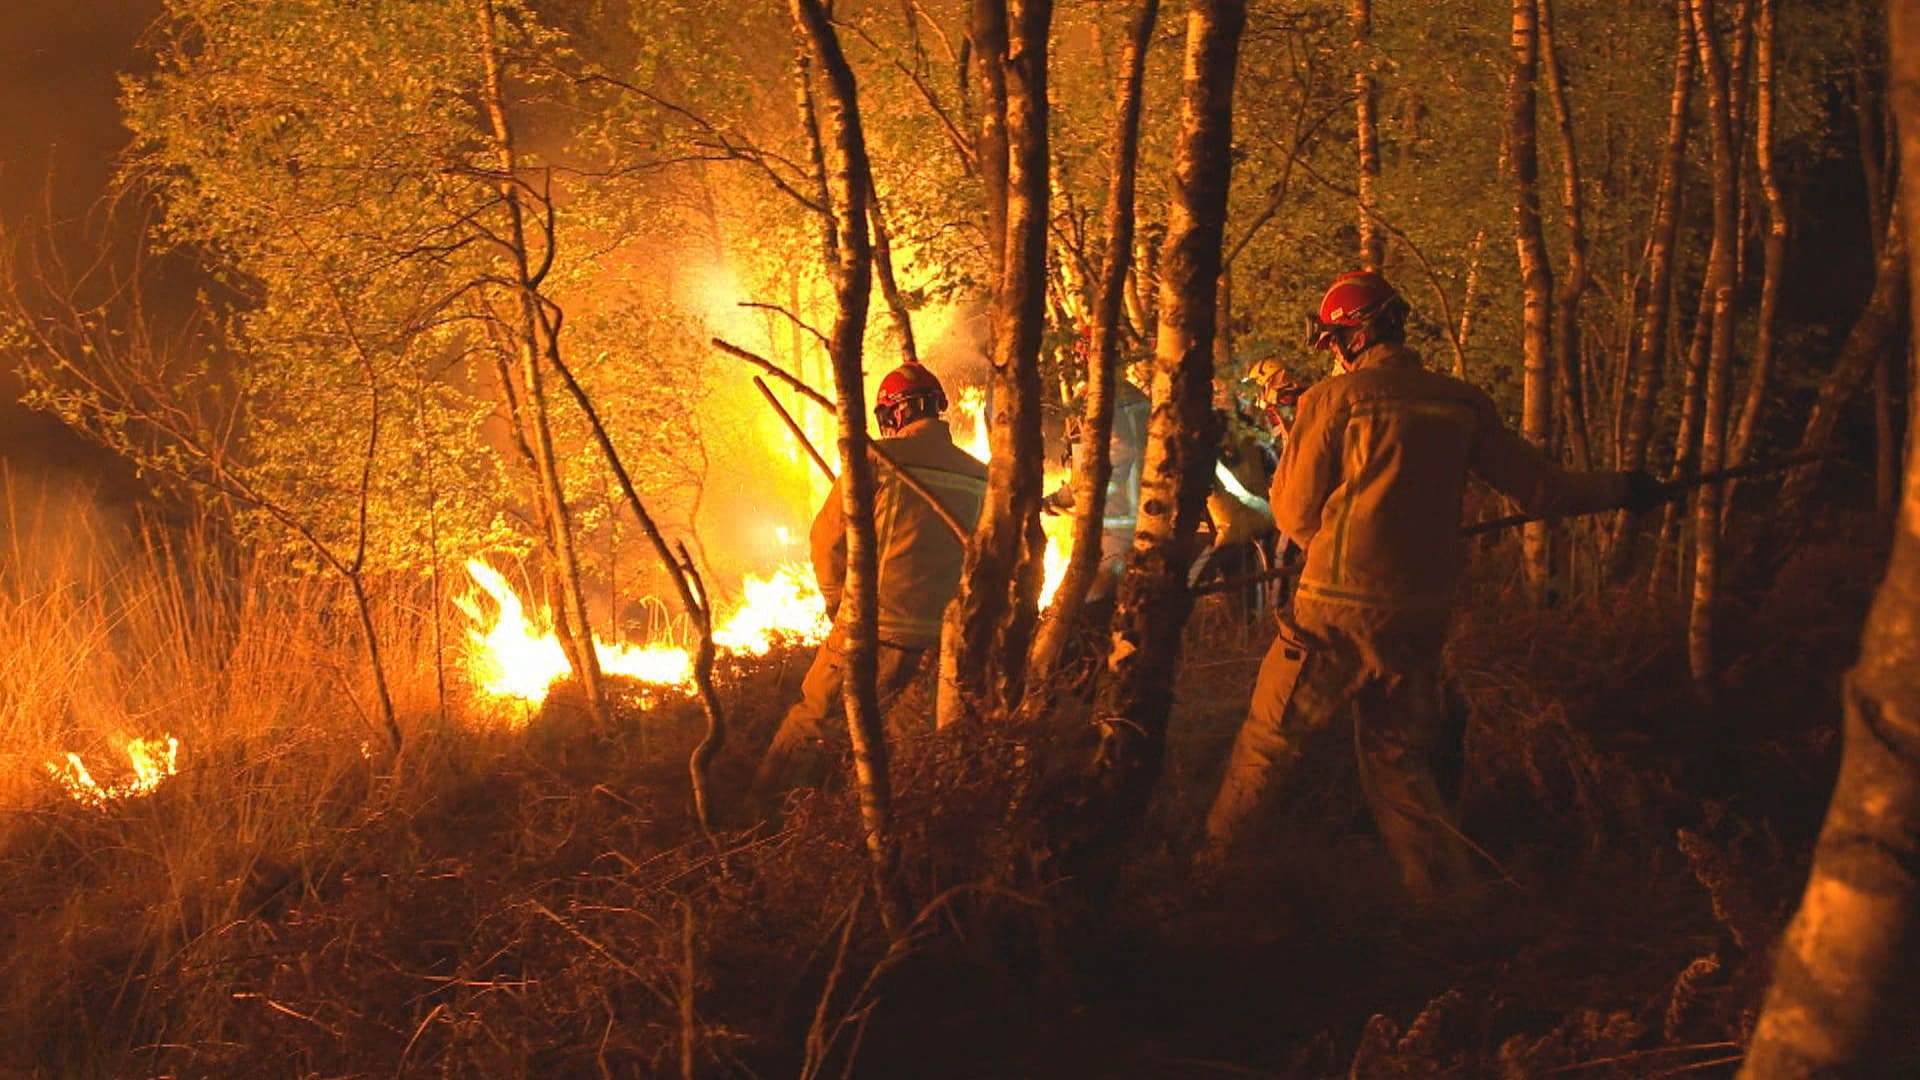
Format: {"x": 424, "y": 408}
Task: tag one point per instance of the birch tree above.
{"x": 989, "y": 627}
{"x": 1536, "y": 272}
{"x": 1094, "y": 469}
{"x": 1105, "y": 797}
{"x": 849, "y": 183}
{"x": 1567, "y": 364}
{"x": 1845, "y": 999}
{"x": 1715, "y": 389}
{"x": 1366, "y": 135}
{"x": 1647, "y": 345}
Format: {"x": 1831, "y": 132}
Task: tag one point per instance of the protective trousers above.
{"x": 812, "y": 739}
{"x": 1384, "y": 665}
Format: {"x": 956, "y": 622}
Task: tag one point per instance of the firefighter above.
{"x": 919, "y": 570}
{"x": 1370, "y": 485}
{"x": 1120, "y": 511}
{"x": 1276, "y": 394}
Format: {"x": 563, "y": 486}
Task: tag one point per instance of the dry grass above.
{"x": 537, "y": 903}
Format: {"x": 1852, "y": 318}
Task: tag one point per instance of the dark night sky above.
{"x": 59, "y": 128}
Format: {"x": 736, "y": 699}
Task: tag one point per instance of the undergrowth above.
{"x": 506, "y": 901}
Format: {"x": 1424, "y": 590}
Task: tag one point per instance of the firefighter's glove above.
{"x": 1060, "y": 502}
{"x": 1644, "y": 492}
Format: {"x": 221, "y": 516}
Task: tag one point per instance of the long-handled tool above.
{"x": 1673, "y": 489}
{"x": 911, "y": 481}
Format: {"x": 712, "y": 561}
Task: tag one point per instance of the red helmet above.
{"x": 907, "y": 393}
{"x": 1355, "y": 299}
{"x": 910, "y": 381}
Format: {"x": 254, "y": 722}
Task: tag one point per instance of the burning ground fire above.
{"x": 513, "y": 654}
{"x": 153, "y": 760}
{"x": 510, "y": 655}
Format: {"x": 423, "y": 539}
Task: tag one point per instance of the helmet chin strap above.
{"x": 1345, "y": 349}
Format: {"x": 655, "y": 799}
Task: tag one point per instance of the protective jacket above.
{"x": 919, "y": 556}
{"x": 1126, "y": 450}
{"x": 1372, "y": 479}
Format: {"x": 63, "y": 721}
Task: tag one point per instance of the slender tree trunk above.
{"x": 1876, "y": 335}
{"x": 687, "y": 583}
{"x": 961, "y": 685}
{"x": 1468, "y": 296}
{"x": 1713, "y": 411}
{"x": 1102, "y": 800}
{"x": 1373, "y": 239}
{"x": 1573, "y": 283}
{"x": 989, "y": 38}
{"x": 1094, "y": 470}
{"x": 1686, "y": 439}
{"x": 528, "y": 279}
{"x": 519, "y": 427}
{"x": 1845, "y": 999}
{"x": 989, "y": 627}
{"x": 889, "y": 287}
{"x": 1536, "y": 273}
{"x": 1774, "y": 251}
{"x": 816, "y": 152}
{"x": 1646, "y": 355}
{"x": 849, "y": 181}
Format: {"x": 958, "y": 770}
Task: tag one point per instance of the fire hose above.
{"x": 1671, "y": 490}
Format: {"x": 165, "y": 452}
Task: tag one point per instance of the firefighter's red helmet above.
{"x": 909, "y": 391}
{"x": 907, "y": 383}
{"x": 1355, "y": 299}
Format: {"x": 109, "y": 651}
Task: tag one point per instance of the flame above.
{"x": 510, "y": 655}
{"x": 784, "y": 607}
{"x": 1059, "y": 530}
{"x": 970, "y": 407}
{"x": 153, "y": 760}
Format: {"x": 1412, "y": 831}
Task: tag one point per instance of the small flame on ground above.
{"x": 510, "y": 655}
{"x": 153, "y": 760}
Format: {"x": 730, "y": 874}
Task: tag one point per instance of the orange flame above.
{"x": 513, "y": 656}
{"x": 153, "y": 760}
{"x": 971, "y": 407}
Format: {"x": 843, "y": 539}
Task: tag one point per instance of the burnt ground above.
{"x": 537, "y": 904}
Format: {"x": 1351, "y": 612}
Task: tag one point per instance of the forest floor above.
{"x": 536, "y": 903}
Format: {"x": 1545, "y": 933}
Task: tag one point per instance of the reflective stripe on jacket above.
{"x": 1372, "y": 479}
{"x": 919, "y": 557}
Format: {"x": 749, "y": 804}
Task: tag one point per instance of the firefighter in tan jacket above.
{"x": 1370, "y": 485}
{"x": 919, "y": 562}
